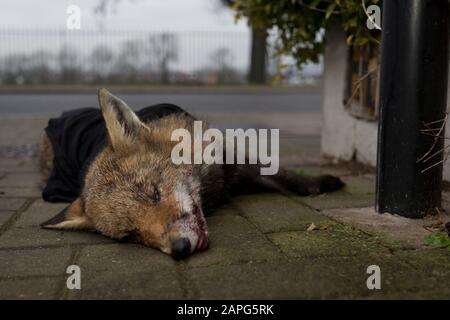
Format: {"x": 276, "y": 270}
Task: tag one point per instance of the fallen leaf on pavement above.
{"x": 312, "y": 227}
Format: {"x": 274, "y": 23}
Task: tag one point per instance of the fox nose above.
{"x": 181, "y": 248}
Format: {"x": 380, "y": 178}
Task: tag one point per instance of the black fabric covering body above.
{"x": 77, "y": 136}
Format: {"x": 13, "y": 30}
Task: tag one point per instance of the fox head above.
{"x": 132, "y": 189}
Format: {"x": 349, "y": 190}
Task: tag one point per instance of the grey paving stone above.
{"x": 8, "y": 204}
{"x": 123, "y": 258}
{"x": 19, "y": 165}
{"x": 37, "y": 237}
{"x": 5, "y": 216}
{"x": 315, "y": 278}
{"x": 39, "y": 212}
{"x": 405, "y": 280}
{"x": 21, "y": 180}
{"x": 234, "y": 240}
{"x": 126, "y": 271}
{"x": 20, "y": 192}
{"x": 339, "y": 199}
{"x": 141, "y": 285}
{"x": 275, "y": 212}
{"x": 34, "y": 289}
{"x": 225, "y": 210}
{"x": 275, "y": 280}
{"x": 34, "y": 262}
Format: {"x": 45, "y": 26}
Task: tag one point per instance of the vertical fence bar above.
{"x": 414, "y": 75}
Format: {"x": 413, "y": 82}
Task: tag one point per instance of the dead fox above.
{"x": 116, "y": 169}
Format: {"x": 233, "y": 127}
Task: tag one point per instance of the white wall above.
{"x": 344, "y": 137}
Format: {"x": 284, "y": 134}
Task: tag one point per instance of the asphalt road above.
{"x": 35, "y": 104}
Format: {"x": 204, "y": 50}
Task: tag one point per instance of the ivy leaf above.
{"x": 438, "y": 240}
{"x": 360, "y": 41}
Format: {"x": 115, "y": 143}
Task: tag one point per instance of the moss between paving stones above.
{"x": 338, "y": 240}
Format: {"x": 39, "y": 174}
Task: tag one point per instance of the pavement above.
{"x": 267, "y": 246}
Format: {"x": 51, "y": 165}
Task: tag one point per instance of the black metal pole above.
{"x": 414, "y": 75}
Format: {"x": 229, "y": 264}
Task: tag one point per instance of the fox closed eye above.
{"x": 156, "y": 195}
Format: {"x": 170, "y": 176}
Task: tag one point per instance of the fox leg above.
{"x": 247, "y": 179}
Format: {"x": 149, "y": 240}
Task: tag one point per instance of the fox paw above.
{"x": 329, "y": 183}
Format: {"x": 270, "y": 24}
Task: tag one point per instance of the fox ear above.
{"x": 122, "y": 123}
{"x": 71, "y": 217}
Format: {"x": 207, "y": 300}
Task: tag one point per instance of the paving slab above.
{"x": 411, "y": 232}
{"x": 20, "y": 192}
{"x": 23, "y": 164}
{"x": 337, "y": 240}
{"x": 275, "y": 280}
{"x": 11, "y": 204}
{"x": 5, "y": 216}
{"x": 275, "y": 212}
{"x": 225, "y": 210}
{"x": 34, "y": 262}
{"x": 20, "y": 237}
{"x": 315, "y": 278}
{"x": 338, "y": 199}
{"x": 34, "y": 289}
{"x": 123, "y": 258}
{"x": 39, "y": 212}
{"x": 140, "y": 285}
{"x": 234, "y": 240}
{"x": 26, "y": 179}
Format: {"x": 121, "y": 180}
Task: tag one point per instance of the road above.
{"x": 23, "y": 116}
{"x": 260, "y": 102}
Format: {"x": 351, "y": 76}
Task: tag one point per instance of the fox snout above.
{"x": 191, "y": 237}
{"x": 180, "y": 248}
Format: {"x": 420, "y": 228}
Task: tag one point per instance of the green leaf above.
{"x": 438, "y": 240}
{"x": 360, "y": 41}
{"x": 315, "y": 3}
{"x": 349, "y": 40}
{"x": 330, "y": 10}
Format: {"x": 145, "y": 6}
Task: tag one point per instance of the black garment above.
{"x": 77, "y": 136}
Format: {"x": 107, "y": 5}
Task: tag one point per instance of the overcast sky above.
{"x": 144, "y": 15}
{"x": 125, "y": 14}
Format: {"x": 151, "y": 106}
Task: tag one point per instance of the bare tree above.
{"x": 14, "y": 72}
{"x": 258, "y": 55}
{"x": 162, "y": 49}
{"x": 222, "y": 61}
{"x": 128, "y": 60}
{"x": 101, "y": 58}
{"x": 68, "y": 63}
{"x": 39, "y": 67}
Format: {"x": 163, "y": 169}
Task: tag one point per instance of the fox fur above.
{"x": 132, "y": 191}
